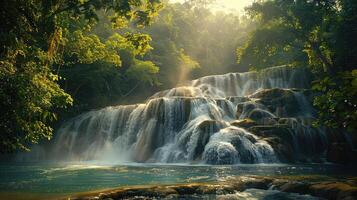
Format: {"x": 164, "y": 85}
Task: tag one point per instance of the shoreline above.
{"x": 317, "y": 186}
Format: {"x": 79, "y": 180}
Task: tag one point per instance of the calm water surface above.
{"x": 69, "y": 178}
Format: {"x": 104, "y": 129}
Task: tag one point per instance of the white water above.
{"x": 191, "y": 124}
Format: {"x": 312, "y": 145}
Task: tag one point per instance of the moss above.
{"x": 244, "y": 123}
{"x": 280, "y": 131}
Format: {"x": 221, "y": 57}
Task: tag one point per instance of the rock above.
{"x": 294, "y": 143}
{"x": 257, "y": 183}
{"x": 259, "y": 115}
{"x": 323, "y": 187}
{"x": 283, "y": 150}
{"x": 210, "y": 126}
{"x": 282, "y": 102}
{"x": 294, "y": 122}
{"x": 243, "y": 109}
{"x": 274, "y": 93}
{"x": 318, "y": 186}
{"x": 232, "y": 145}
{"x": 202, "y": 132}
{"x": 280, "y": 131}
{"x": 220, "y": 154}
{"x": 244, "y": 123}
{"x": 338, "y": 153}
{"x": 280, "y": 138}
{"x": 206, "y": 129}
{"x": 268, "y": 121}
{"x": 334, "y": 190}
{"x": 236, "y": 99}
{"x": 294, "y": 187}
{"x": 287, "y": 121}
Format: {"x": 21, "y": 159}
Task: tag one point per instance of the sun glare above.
{"x": 226, "y": 5}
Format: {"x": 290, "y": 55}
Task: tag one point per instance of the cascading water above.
{"x": 253, "y": 117}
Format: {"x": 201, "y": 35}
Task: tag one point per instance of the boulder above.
{"x": 334, "y": 190}
{"x": 243, "y": 109}
{"x": 280, "y": 139}
{"x": 210, "y": 126}
{"x": 270, "y": 121}
{"x": 280, "y": 131}
{"x": 294, "y": 187}
{"x": 220, "y": 154}
{"x": 236, "y": 99}
{"x": 282, "y": 102}
{"x": 229, "y": 146}
{"x": 206, "y": 129}
{"x": 244, "y": 123}
{"x": 260, "y": 115}
{"x": 283, "y": 150}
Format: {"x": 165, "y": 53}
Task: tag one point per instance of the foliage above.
{"x": 320, "y": 34}
{"x": 184, "y": 42}
{"x": 34, "y": 39}
{"x": 337, "y": 100}
{"x": 143, "y": 70}
{"x": 188, "y": 31}
{"x": 28, "y": 96}
{"x": 101, "y": 69}
{"x": 89, "y": 49}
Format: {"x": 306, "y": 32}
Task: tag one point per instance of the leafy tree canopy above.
{"x": 37, "y": 38}
{"x": 314, "y": 33}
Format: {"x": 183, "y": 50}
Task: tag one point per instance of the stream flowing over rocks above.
{"x": 239, "y": 188}
{"x": 252, "y": 117}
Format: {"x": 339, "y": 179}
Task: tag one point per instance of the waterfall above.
{"x": 252, "y": 117}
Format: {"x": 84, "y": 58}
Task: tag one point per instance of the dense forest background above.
{"x": 61, "y": 58}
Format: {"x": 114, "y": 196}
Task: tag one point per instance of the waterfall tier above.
{"x": 253, "y": 117}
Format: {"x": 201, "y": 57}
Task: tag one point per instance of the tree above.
{"x": 177, "y": 42}
{"x": 303, "y": 32}
{"x": 207, "y": 38}
{"x": 108, "y": 72}
{"x": 34, "y": 35}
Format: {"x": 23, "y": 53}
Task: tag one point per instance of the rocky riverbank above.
{"x": 282, "y": 187}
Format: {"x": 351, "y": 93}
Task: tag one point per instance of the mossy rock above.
{"x": 282, "y": 102}
{"x": 236, "y": 99}
{"x": 271, "y": 93}
{"x": 245, "y": 107}
{"x": 259, "y": 114}
{"x": 334, "y": 190}
{"x": 268, "y": 121}
{"x": 280, "y": 131}
{"x": 280, "y": 138}
{"x": 283, "y": 149}
{"x": 244, "y": 123}
{"x": 319, "y": 186}
{"x": 210, "y": 125}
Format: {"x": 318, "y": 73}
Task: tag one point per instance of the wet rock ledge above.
{"x": 318, "y": 186}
